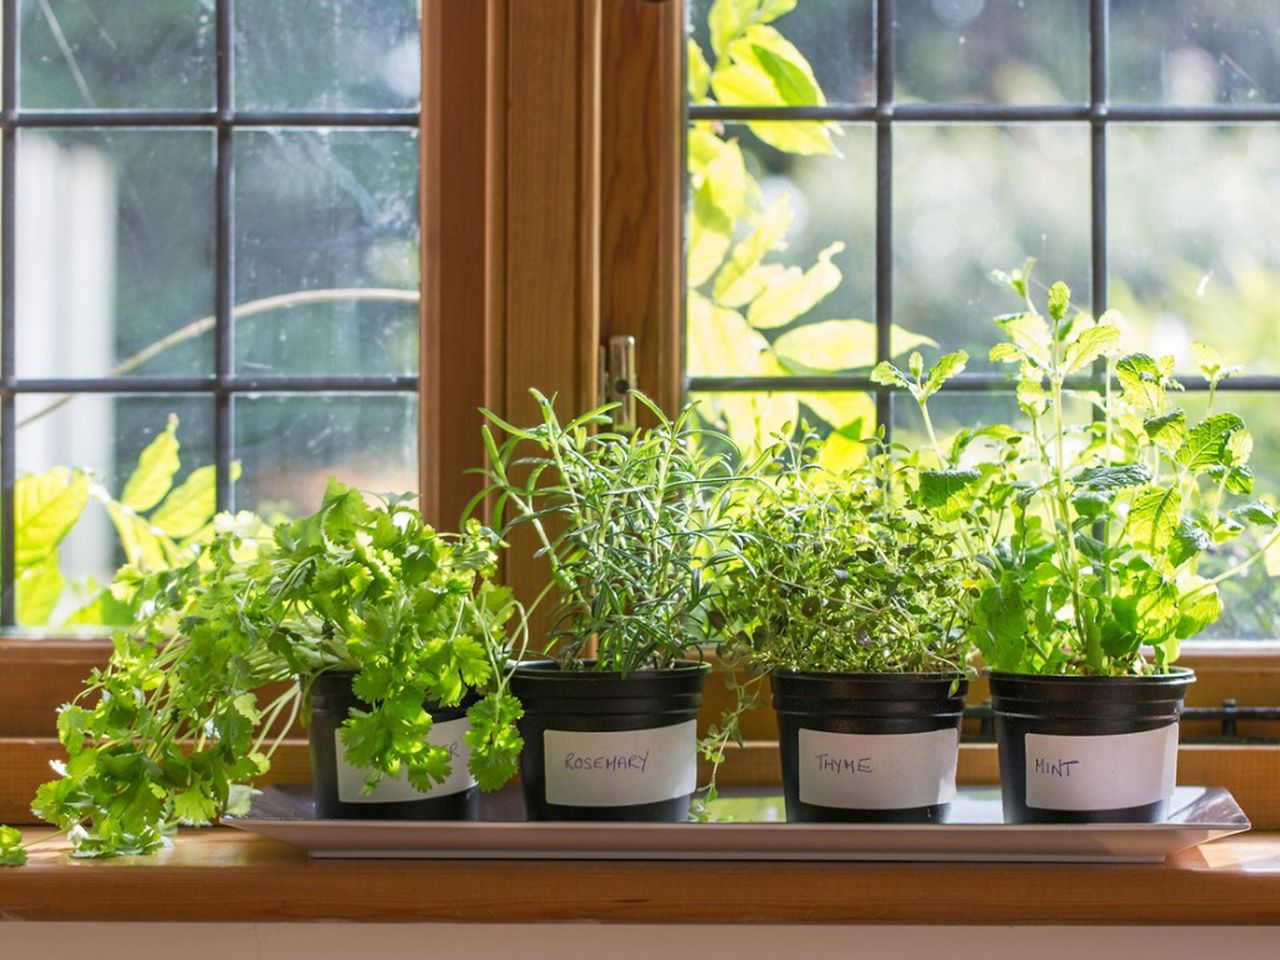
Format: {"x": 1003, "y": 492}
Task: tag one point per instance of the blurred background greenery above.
{"x": 1193, "y": 207}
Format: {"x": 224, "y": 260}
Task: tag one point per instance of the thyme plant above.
{"x": 1091, "y": 531}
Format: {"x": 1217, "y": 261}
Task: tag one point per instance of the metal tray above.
{"x": 752, "y": 828}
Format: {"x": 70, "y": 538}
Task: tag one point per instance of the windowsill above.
{"x": 224, "y": 875}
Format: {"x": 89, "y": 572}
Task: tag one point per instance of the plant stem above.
{"x": 253, "y": 308}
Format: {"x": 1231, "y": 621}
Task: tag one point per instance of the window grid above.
{"x": 885, "y": 114}
{"x": 224, "y": 385}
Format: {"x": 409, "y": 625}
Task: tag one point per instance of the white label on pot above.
{"x": 885, "y": 771}
{"x": 1101, "y": 773}
{"x": 620, "y": 768}
{"x": 448, "y": 734}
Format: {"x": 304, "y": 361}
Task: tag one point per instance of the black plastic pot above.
{"x": 331, "y": 702}
{"x": 864, "y": 780}
{"x": 603, "y": 746}
{"x": 1086, "y": 779}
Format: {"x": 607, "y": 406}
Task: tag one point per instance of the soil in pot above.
{"x": 338, "y": 785}
{"x": 1079, "y": 749}
{"x": 603, "y": 746}
{"x": 864, "y": 747}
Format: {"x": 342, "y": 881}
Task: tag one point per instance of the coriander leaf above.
{"x": 494, "y": 741}
{"x": 12, "y": 853}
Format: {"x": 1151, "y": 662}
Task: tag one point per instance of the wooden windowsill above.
{"x": 224, "y": 875}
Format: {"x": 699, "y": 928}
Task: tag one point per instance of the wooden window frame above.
{"x": 552, "y": 185}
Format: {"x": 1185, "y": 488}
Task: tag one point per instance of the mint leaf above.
{"x": 1112, "y": 478}
{"x": 1206, "y": 444}
{"x": 951, "y": 365}
{"x": 947, "y": 492}
{"x": 1167, "y": 431}
{"x": 1153, "y": 518}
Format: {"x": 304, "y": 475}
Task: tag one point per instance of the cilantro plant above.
{"x": 181, "y": 720}
{"x": 1091, "y": 530}
{"x": 632, "y": 525}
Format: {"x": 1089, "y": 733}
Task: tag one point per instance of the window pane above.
{"x": 104, "y": 435}
{"x": 327, "y": 54}
{"x": 1195, "y": 238}
{"x": 289, "y": 447}
{"x": 834, "y": 36}
{"x": 839, "y": 418}
{"x": 819, "y": 212}
{"x": 327, "y": 221}
{"x": 115, "y": 252}
{"x": 1195, "y": 51}
{"x": 116, "y": 53}
{"x": 970, "y": 199}
{"x": 992, "y": 51}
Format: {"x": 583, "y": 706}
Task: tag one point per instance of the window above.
{"x": 210, "y": 210}
{"x": 858, "y": 168}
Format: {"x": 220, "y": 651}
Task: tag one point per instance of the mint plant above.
{"x": 1090, "y": 531}
{"x": 179, "y": 723}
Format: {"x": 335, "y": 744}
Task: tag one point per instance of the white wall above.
{"x": 242, "y": 941}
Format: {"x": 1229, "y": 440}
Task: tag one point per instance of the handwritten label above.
{"x": 448, "y": 734}
{"x": 1101, "y": 773}
{"x": 891, "y": 771}
{"x": 620, "y": 768}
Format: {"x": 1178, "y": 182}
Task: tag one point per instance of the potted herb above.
{"x": 1091, "y": 531}
{"x": 387, "y": 636}
{"x": 850, "y": 599}
{"x": 629, "y": 525}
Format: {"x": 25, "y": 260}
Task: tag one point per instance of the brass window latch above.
{"x": 618, "y": 378}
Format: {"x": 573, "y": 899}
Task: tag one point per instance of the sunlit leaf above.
{"x": 842, "y": 344}
{"x": 39, "y": 590}
{"x": 797, "y": 293}
{"x": 152, "y": 478}
{"x": 740, "y": 280}
{"x": 46, "y": 507}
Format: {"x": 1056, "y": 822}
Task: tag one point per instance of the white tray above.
{"x": 974, "y": 832}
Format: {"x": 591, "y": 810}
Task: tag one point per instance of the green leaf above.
{"x": 1030, "y": 334}
{"x": 1210, "y": 363}
{"x": 1239, "y": 447}
{"x": 1033, "y": 398}
{"x": 46, "y": 508}
{"x": 12, "y": 853}
{"x": 796, "y": 293}
{"x": 494, "y": 741}
{"x": 1147, "y": 606}
{"x": 1199, "y": 606}
{"x": 1059, "y": 301}
{"x": 1153, "y": 518}
{"x": 887, "y": 374}
{"x": 720, "y": 341}
{"x": 699, "y": 80}
{"x": 841, "y": 344}
{"x": 1167, "y": 431}
{"x": 1189, "y": 541}
{"x": 1000, "y": 625}
{"x": 1206, "y": 444}
{"x": 727, "y": 19}
{"x": 949, "y": 493}
{"x": 842, "y": 410}
{"x": 790, "y": 72}
{"x": 1092, "y": 343}
{"x": 152, "y": 478}
{"x": 39, "y": 590}
{"x": 194, "y": 808}
{"x": 951, "y": 365}
{"x": 740, "y": 280}
{"x": 1113, "y": 478}
{"x": 142, "y": 547}
{"x": 1257, "y": 513}
{"x": 1143, "y": 383}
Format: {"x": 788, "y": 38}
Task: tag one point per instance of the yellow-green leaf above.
{"x": 46, "y": 507}
{"x": 192, "y": 504}
{"x": 767, "y": 51}
{"x": 39, "y": 590}
{"x": 720, "y": 341}
{"x": 842, "y": 344}
{"x": 739, "y": 281}
{"x": 699, "y": 73}
{"x": 153, "y": 477}
{"x": 839, "y": 454}
{"x": 142, "y": 547}
{"x": 797, "y": 293}
{"x": 842, "y": 409}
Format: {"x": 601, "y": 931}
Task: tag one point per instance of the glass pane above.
{"x": 834, "y": 36}
{"x": 1195, "y": 239}
{"x": 109, "y": 53}
{"x": 753, "y": 314}
{"x": 115, "y": 253}
{"x": 840, "y": 418}
{"x": 1195, "y": 51}
{"x": 970, "y": 199}
{"x": 327, "y": 54}
{"x": 327, "y": 226}
{"x": 104, "y": 435}
{"x": 991, "y": 51}
{"x": 289, "y": 447}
